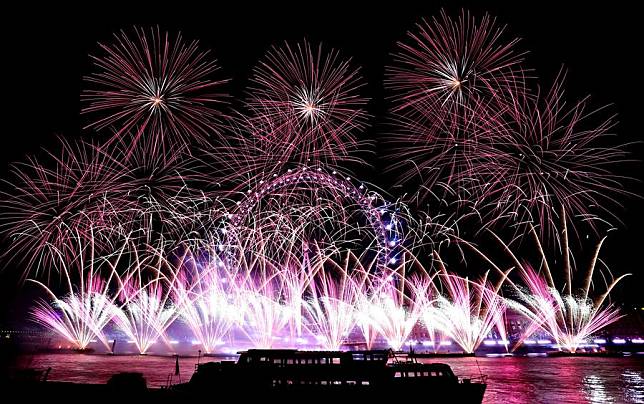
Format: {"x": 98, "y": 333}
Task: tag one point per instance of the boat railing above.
{"x": 474, "y": 379}
{"x": 401, "y": 357}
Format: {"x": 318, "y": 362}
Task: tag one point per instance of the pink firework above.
{"x": 78, "y": 317}
{"x": 549, "y": 160}
{"x": 55, "y": 201}
{"x": 202, "y": 297}
{"x": 83, "y": 312}
{"x": 306, "y": 105}
{"x": 393, "y": 308}
{"x": 569, "y": 319}
{"x": 448, "y": 66}
{"x": 335, "y": 294}
{"x": 265, "y": 319}
{"x": 145, "y": 291}
{"x": 468, "y": 311}
{"x": 87, "y": 192}
{"x": 155, "y": 85}
{"x": 572, "y": 313}
{"x": 448, "y": 75}
{"x": 158, "y": 192}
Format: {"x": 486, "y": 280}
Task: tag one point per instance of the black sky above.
{"x": 45, "y": 55}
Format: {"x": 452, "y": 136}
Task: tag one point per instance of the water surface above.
{"x": 511, "y": 380}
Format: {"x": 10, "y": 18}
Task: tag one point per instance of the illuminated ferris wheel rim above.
{"x": 387, "y": 231}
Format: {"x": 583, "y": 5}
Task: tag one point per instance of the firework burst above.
{"x": 549, "y": 159}
{"x": 306, "y": 105}
{"x": 156, "y": 86}
{"x": 85, "y": 192}
{"x": 53, "y": 202}
{"x": 445, "y": 78}
{"x": 448, "y": 66}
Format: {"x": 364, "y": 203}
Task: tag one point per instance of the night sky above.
{"x": 45, "y": 55}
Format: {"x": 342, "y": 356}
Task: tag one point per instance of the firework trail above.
{"x": 334, "y": 295}
{"x": 78, "y": 317}
{"x": 321, "y": 210}
{"x": 550, "y": 159}
{"x": 569, "y": 315}
{"x": 53, "y": 202}
{"x": 155, "y": 86}
{"x": 306, "y": 104}
{"x": 393, "y": 308}
{"x": 445, "y": 77}
{"x": 469, "y": 310}
{"x": 146, "y": 308}
{"x": 296, "y": 278}
{"x": 202, "y": 296}
{"x": 81, "y": 315}
{"x": 264, "y": 317}
{"x": 364, "y": 321}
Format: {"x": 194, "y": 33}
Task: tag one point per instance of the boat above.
{"x": 289, "y": 373}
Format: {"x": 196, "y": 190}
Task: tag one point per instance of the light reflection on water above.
{"x": 511, "y": 380}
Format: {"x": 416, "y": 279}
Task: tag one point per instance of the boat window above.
{"x": 336, "y": 361}
{"x": 365, "y": 382}
{"x": 398, "y": 374}
{"x": 289, "y": 361}
{"x": 425, "y": 374}
{"x": 411, "y": 374}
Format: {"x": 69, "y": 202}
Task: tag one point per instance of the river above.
{"x": 511, "y": 380}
